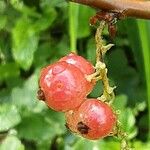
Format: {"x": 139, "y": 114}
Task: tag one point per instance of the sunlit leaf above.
{"x": 3, "y": 21}
{"x": 25, "y": 42}
{"x": 11, "y": 143}
{"x": 9, "y": 117}
{"x": 96, "y": 145}
{"x": 127, "y": 119}
{"x": 2, "y": 6}
{"x": 26, "y": 96}
{"x": 120, "y": 102}
{"x": 39, "y": 128}
{"x": 138, "y": 145}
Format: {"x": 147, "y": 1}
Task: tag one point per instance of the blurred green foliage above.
{"x": 38, "y": 32}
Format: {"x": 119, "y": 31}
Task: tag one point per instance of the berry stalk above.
{"x": 73, "y": 25}
{"x": 101, "y": 49}
{"x": 108, "y": 91}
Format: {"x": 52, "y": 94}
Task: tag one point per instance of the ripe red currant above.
{"x": 64, "y": 86}
{"x": 94, "y": 119}
{"x": 85, "y": 66}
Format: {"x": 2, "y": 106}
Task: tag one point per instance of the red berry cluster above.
{"x": 64, "y": 87}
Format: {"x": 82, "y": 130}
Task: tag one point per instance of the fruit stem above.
{"x": 73, "y": 25}
{"x": 124, "y": 145}
{"x": 94, "y": 76}
{"x": 99, "y": 41}
{"x": 108, "y": 91}
{"x": 101, "y": 49}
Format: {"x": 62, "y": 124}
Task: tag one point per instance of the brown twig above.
{"x": 126, "y": 8}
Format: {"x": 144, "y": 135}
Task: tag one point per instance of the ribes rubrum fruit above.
{"x": 84, "y": 65}
{"x": 63, "y": 85}
{"x": 94, "y": 119}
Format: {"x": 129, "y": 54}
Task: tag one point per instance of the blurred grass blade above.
{"x": 144, "y": 32}
{"x": 73, "y": 25}
{"x": 134, "y": 38}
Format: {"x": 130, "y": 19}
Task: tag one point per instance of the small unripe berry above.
{"x": 64, "y": 86}
{"x": 94, "y": 119}
{"x": 84, "y": 65}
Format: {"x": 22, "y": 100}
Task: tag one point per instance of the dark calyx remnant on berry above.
{"x": 67, "y": 126}
{"x": 82, "y": 128}
{"x": 40, "y": 95}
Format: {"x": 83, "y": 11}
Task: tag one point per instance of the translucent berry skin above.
{"x": 85, "y": 66}
{"x": 94, "y": 119}
{"x": 64, "y": 86}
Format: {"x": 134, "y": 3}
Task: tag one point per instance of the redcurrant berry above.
{"x": 94, "y": 119}
{"x": 64, "y": 86}
{"x": 85, "y": 66}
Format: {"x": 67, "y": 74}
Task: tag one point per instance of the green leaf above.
{"x": 17, "y": 4}
{"x": 9, "y": 70}
{"x": 11, "y": 143}
{"x": 3, "y": 20}
{"x": 26, "y": 96}
{"x": 53, "y": 3}
{"x": 45, "y": 20}
{"x": 62, "y": 47}
{"x": 25, "y": 36}
{"x": 126, "y": 78}
{"x": 25, "y": 42}
{"x": 98, "y": 89}
{"x": 5, "y": 96}
{"x": 44, "y": 52}
{"x": 9, "y": 117}
{"x": 85, "y": 145}
{"x": 138, "y": 145}
{"x": 127, "y": 120}
{"x": 2, "y": 6}
{"x": 120, "y": 102}
{"x": 56, "y": 118}
{"x": 50, "y": 52}
{"x": 39, "y": 127}
{"x": 143, "y": 124}
{"x": 96, "y": 145}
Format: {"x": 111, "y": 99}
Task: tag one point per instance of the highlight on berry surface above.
{"x": 84, "y": 65}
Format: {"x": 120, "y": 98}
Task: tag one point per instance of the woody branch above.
{"x": 127, "y": 8}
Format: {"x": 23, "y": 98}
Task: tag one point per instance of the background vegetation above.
{"x": 38, "y": 32}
